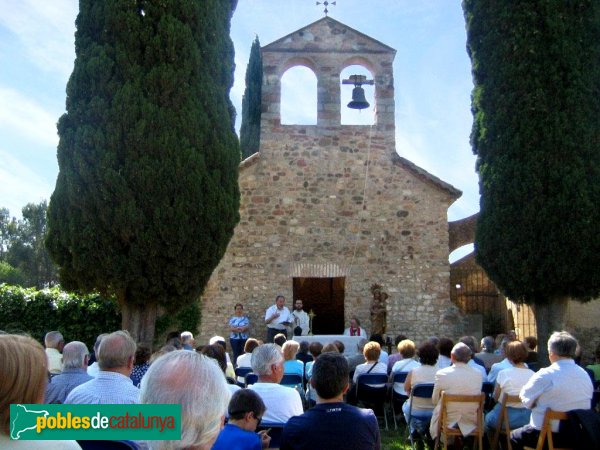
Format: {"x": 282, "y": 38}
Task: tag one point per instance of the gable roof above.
{"x": 422, "y": 174}
{"x": 397, "y": 160}
{"x": 344, "y": 39}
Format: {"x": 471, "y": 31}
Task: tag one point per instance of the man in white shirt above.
{"x": 116, "y": 355}
{"x": 282, "y": 402}
{"x": 355, "y": 329}
{"x": 277, "y": 318}
{"x": 54, "y": 343}
{"x": 563, "y": 386}
{"x": 301, "y": 321}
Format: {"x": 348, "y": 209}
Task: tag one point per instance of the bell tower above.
{"x": 327, "y": 47}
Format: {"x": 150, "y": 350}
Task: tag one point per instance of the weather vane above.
{"x": 326, "y": 4}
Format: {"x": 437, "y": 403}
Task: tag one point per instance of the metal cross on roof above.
{"x": 326, "y": 4}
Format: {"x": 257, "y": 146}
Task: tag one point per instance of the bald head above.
{"x": 116, "y": 351}
{"x": 75, "y": 356}
{"x": 460, "y": 353}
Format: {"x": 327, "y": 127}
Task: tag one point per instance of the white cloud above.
{"x": 20, "y": 185}
{"x": 45, "y": 30}
{"x": 24, "y": 116}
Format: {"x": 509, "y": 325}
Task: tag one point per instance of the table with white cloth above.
{"x": 350, "y": 342}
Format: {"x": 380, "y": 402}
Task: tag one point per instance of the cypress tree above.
{"x": 251, "y": 103}
{"x": 146, "y": 198}
{"x": 536, "y": 107}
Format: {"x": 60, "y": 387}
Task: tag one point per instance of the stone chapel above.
{"x": 328, "y": 210}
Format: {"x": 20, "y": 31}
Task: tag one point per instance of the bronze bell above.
{"x": 358, "y": 99}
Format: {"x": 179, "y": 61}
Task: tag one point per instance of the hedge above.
{"x": 77, "y": 317}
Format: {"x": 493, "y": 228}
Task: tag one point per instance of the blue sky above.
{"x": 432, "y": 77}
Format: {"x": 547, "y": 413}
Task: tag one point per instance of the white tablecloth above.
{"x": 350, "y": 342}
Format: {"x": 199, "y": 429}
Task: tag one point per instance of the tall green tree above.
{"x": 27, "y": 250}
{"x": 146, "y": 198}
{"x": 251, "y": 103}
{"x": 536, "y": 132}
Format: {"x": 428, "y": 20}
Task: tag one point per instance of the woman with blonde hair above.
{"x": 23, "y": 379}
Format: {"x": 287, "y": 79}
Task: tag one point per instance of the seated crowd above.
{"x": 220, "y": 410}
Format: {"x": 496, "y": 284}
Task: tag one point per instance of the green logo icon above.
{"x": 94, "y": 422}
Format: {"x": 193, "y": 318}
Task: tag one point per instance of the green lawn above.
{"x": 394, "y": 439}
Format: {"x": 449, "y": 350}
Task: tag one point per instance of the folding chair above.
{"x": 275, "y": 431}
{"x": 503, "y": 426}
{"x": 399, "y": 377}
{"x": 546, "y": 431}
{"x": 444, "y": 426}
{"x": 487, "y": 387}
{"x": 371, "y": 389}
{"x": 250, "y": 378}
{"x": 422, "y": 390}
{"x": 241, "y": 372}
{"x": 292, "y": 380}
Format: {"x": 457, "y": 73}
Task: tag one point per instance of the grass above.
{"x": 394, "y": 439}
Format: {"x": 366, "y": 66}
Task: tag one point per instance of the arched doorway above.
{"x": 325, "y": 297}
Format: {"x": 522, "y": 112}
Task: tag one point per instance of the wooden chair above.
{"x": 546, "y": 431}
{"x": 444, "y": 427}
{"x": 502, "y": 426}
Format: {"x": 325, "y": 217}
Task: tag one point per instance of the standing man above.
{"x": 277, "y": 318}
{"x": 332, "y": 423}
{"x": 301, "y": 319}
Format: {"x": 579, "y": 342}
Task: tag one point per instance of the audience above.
{"x": 469, "y": 341}
{"x": 23, "y": 378}
{"x": 220, "y": 340}
{"x": 116, "y": 355}
{"x": 383, "y": 356}
{"x": 291, "y": 365}
{"x": 331, "y": 424}
{"x": 93, "y": 368}
{"x": 141, "y": 364}
{"x": 445, "y": 346}
{"x": 54, "y": 343}
{"x": 187, "y": 340}
{"x": 245, "y": 412}
{"x": 532, "y": 357}
{"x": 504, "y": 364}
{"x": 460, "y": 379}
{"x": 303, "y": 352}
{"x": 280, "y": 339}
{"x": 244, "y": 360}
{"x": 216, "y": 352}
{"x": 174, "y": 339}
{"x": 197, "y": 384}
{"x": 422, "y": 408}
{"x": 563, "y": 386}
{"x": 408, "y": 362}
{"x": 371, "y": 365}
{"x": 356, "y": 358}
{"x": 395, "y": 357}
{"x": 74, "y": 372}
{"x": 281, "y": 402}
{"x": 487, "y": 355}
{"x": 596, "y": 366}
{"x": 509, "y": 382}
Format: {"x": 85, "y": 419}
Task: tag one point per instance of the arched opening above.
{"x": 298, "y": 97}
{"x": 353, "y": 116}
